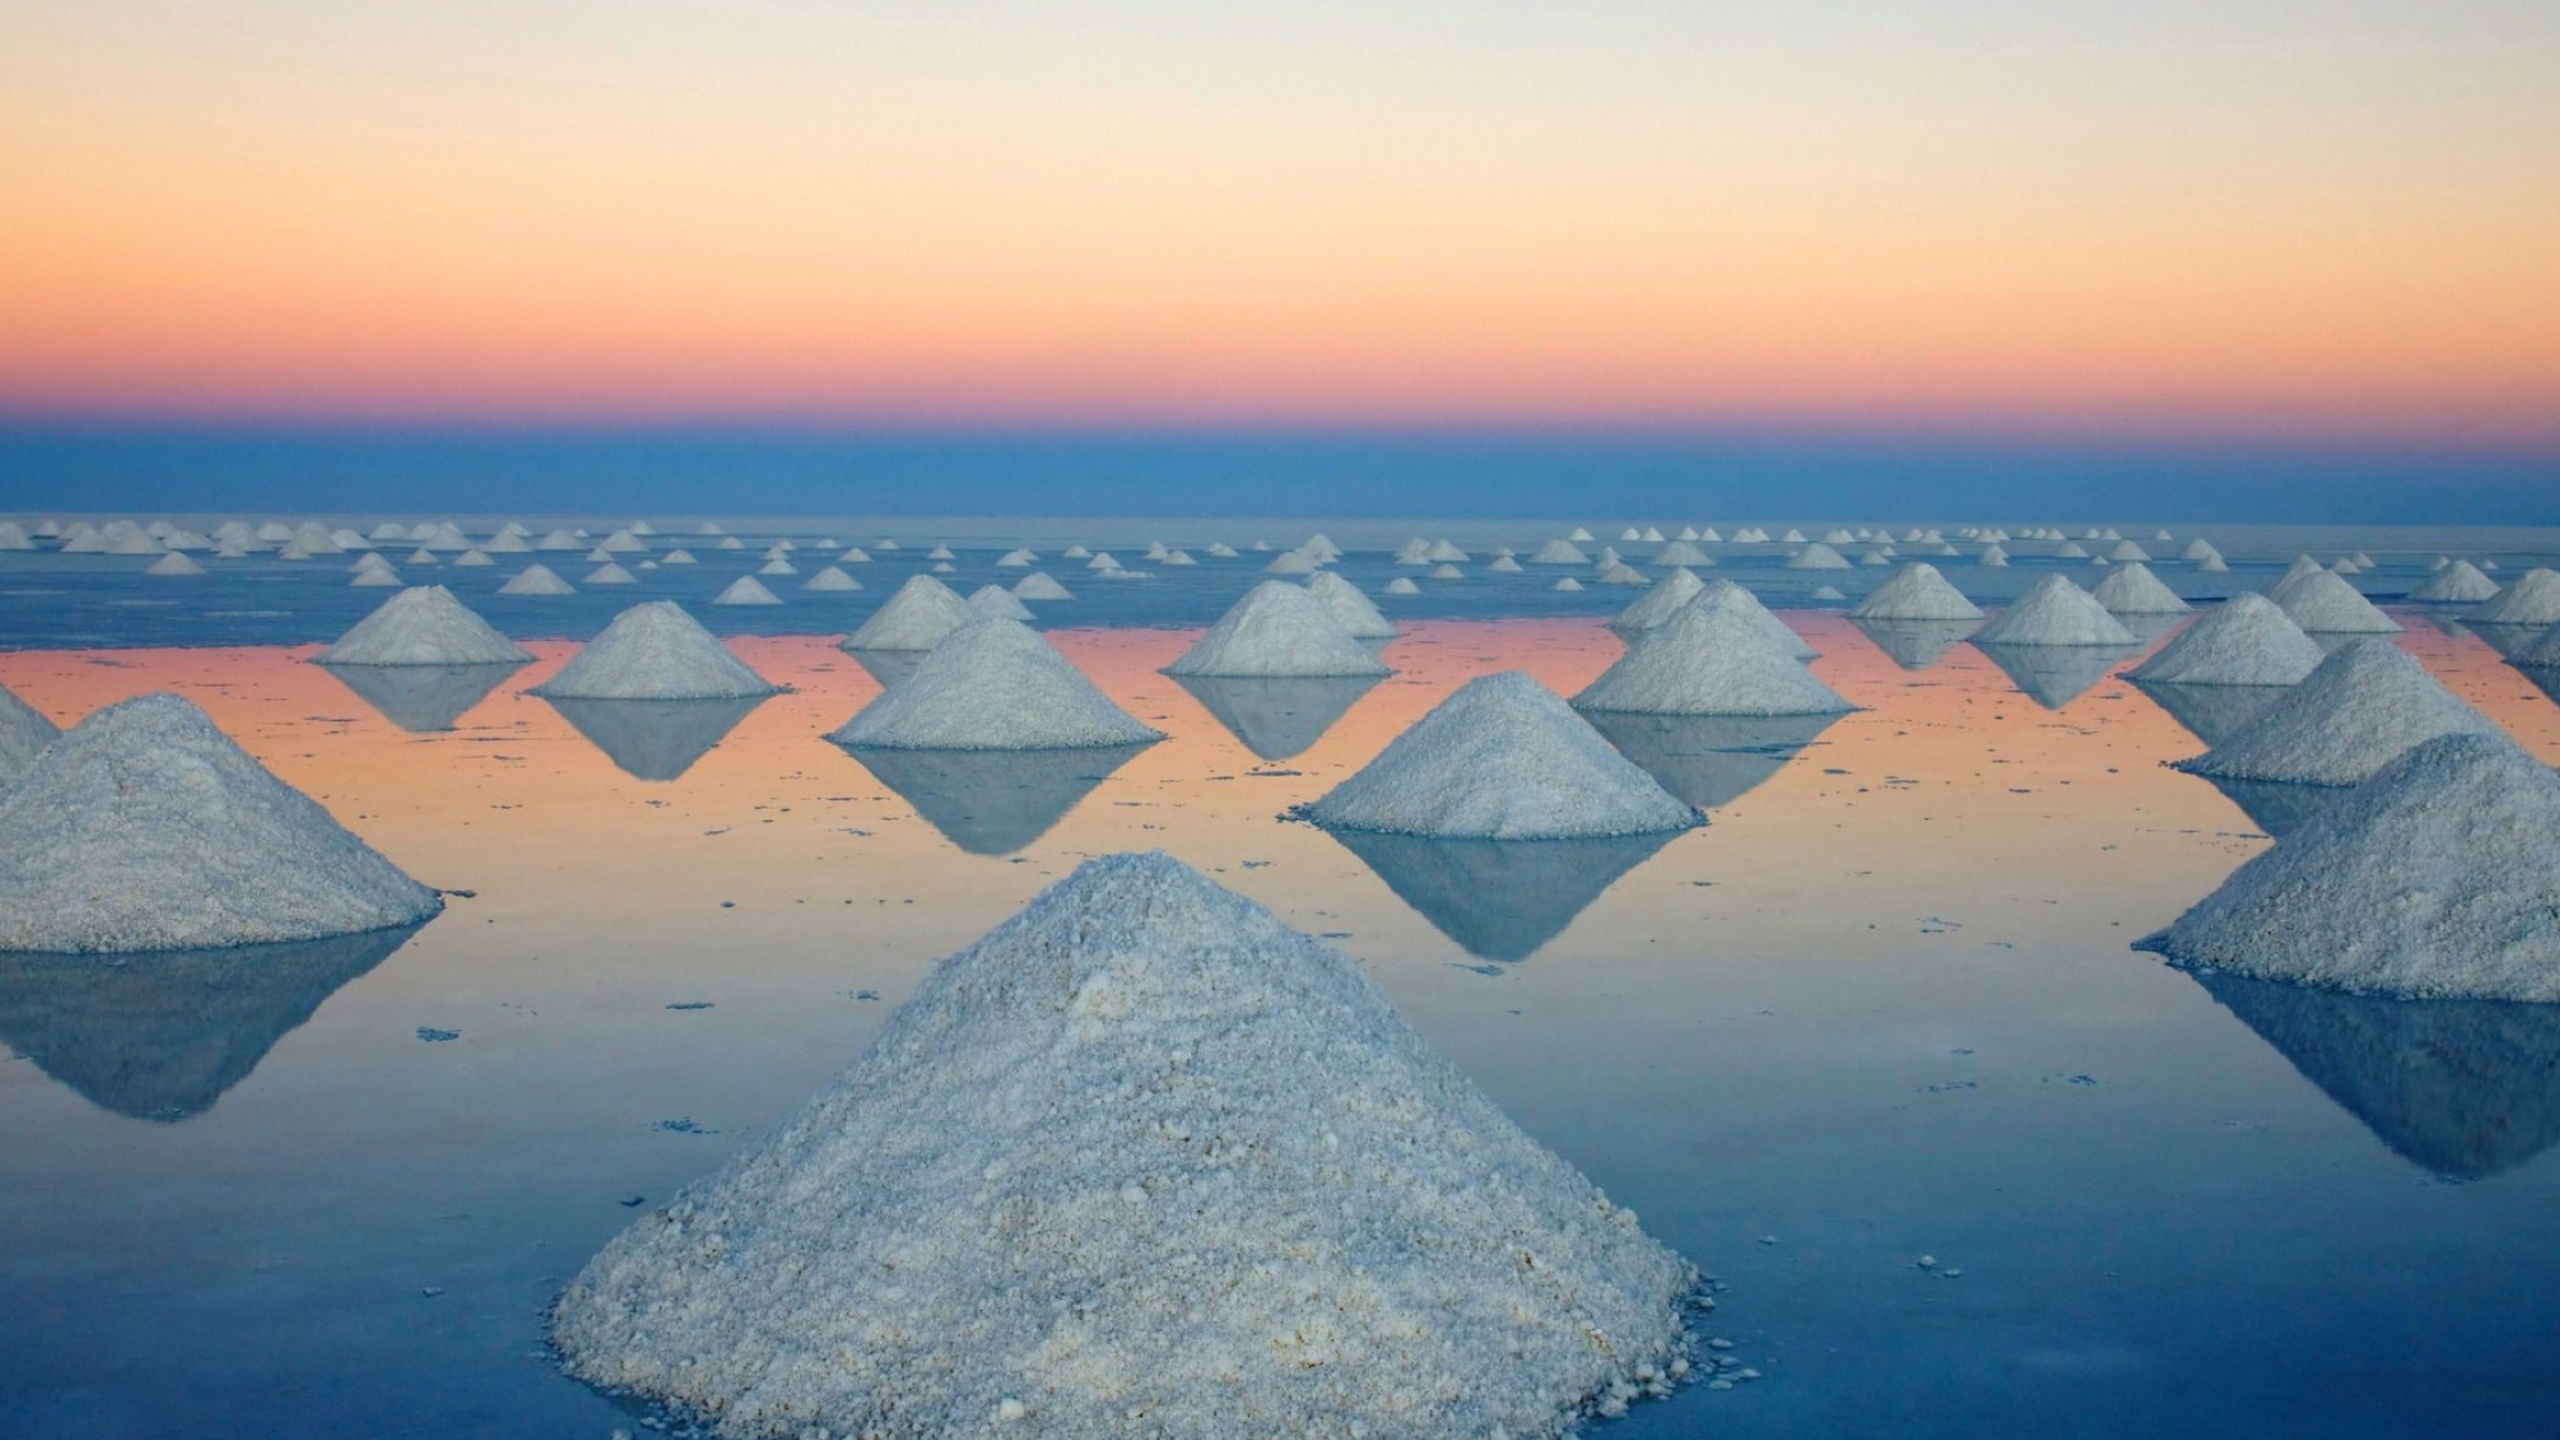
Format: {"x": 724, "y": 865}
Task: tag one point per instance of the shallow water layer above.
{"x": 1881, "y": 1007}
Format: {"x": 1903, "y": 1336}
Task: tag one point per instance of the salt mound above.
{"x": 2533, "y": 599}
{"x": 535, "y": 580}
{"x": 1817, "y": 557}
{"x": 2358, "y": 712}
{"x": 1726, "y": 595}
{"x": 1915, "y": 592}
{"x": 2133, "y": 590}
{"x": 173, "y": 566}
{"x": 2458, "y": 583}
{"x": 2053, "y": 611}
{"x": 610, "y": 573}
{"x": 654, "y": 651}
{"x": 831, "y": 581}
{"x": 24, "y": 734}
{"x": 1358, "y": 615}
{"x": 1710, "y": 661}
{"x": 1567, "y": 583}
{"x": 1502, "y": 759}
{"x": 146, "y": 828}
{"x": 2245, "y": 640}
{"x": 1559, "y": 552}
{"x": 1993, "y": 558}
{"x": 1618, "y": 572}
{"x": 2321, "y": 603}
{"x": 423, "y": 626}
{"x": 993, "y": 684}
{"x": 1278, "y": 629}
{"x": 916, "y": 617}
{"x": 998, "y": 602}
{"x": 2430, "y": 880}
{"x": 1038, "y": 586}
{"x": 746, "y": 590}
{"x": 1659, "y": 603}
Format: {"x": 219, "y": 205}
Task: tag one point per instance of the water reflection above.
{"x": 2211, "y": 713}
{"x": 1710, "y": 760}
{"x": 1499, "y": 899}
{"x": 655, "y": 739}
{"x": 2465, "y": 1088}
{"x": 2509, "y": 641}
{"x": 161, "y": 1036}
{"x": 1916, "y": 644}
{"x": 994, "y": 802}
{"x": 1277, "y": 719}
{"x": 2054, "y": 675}
{"x": 2541, "y": 678}
{"x": 2275, "y": 808}
{"x": 422, "y": 699}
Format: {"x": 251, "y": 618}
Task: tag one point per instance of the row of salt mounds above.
{"x": 146, "y": 828}
{"x": 655, "y": 651}
{"x": 2245, "y": 640}
{"x": 2131, "y": 589}
{"x": 2323, "y": 604}
{"x": 2431, "y": 880}
{"x": 2459, "y": 583}
{"x": 2359, "y": 711}
{"x": 24, "y": 734}
{"x": 424, "y": 626}
{"x": 916, "y": 617}
{"x": 1358, "y": 614}
{"x": 1277, "y": 630}
{"x": 2053, "y": 611}
{"x": 1143, "y": 1160}
{"x": 994, "y": 684}
{"x": 1915, "y": 592}
{"x": 1727, "y": 595}
{"x": 1662, "y": 600}
{"x": 2534, "y": 599}
{"x": 1709, "y": 662}
{"x": 1502, "y": 759}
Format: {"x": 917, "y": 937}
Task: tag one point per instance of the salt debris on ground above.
{"x": 2361, "y": 709}
{"x": 1915, "y": 592}
{"x": 536, "y": 580}
{"x": 2131, "y": 589}
{"x": 655, "y": 651}
{"x": 1502, "y": 759}
{"x": 998, "y": 602}
{"x": 914, "y": 617}
{"x": 1038, "y": 586}
{"x": 2245, "y": 640}
{"x": 1710, "y": 661}
{"x": 746, "y": 590}
{"x": 24, "y": 734}
{"x": 994, "y": 684}
{"x": 1278, "y": 629}
{"x": 2460, "y": 583}
{"x": 1358, "y": 615}
{"x": 423, "y": 626}
{"x": 2053, "y": 611}
{"x": 146, "y": 828}
{"x": 2533, "y": 598}
{"x": 2321, "y": 603}
{"x": 1659, "y": 602}
{"x": 2431, "y": 880}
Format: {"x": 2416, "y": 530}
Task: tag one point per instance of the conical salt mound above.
{"x": 1915, "y": 592}
{"x": 146, "y": 828}
{"x": 1358, "y": 614}
{"x": 997, "y": 602}
{"x": 1726, "y": 595}
{"x": 2431, "y": 880}
{"x": 2364, "y": 707}
{"x": 1559, "y": 552}
{"x": 2532, "y": 599}
{"x": 1817, "y": 557}
{"x": 993, "y": 684}
{"x": 1141, "y": 1151}
{"x": 2053, "y": 611}
{"x": 423, "y": 626}
{"x": 1659, "y": 603}
{"x": 1278, "y": 629}
{"x": 2459, "y": 583}
{"x": 746, "y": 590}
{"x": 915, "y": 617}
{"x": 2323, "y": 604}
{"x": 1502, "y": 759}
{"x": 24, "y": 734}
{"x": 1038, "y": 586}
{"x": 2131, "y": 589}
{"x": 536, "y": 580}
{"x": 655, "y": 651}
{"x": 2245, "y": 640}
{"x": 1709, "y": 662}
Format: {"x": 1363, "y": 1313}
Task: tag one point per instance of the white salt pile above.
{"x": 1038, "y": 586}
{"x": 1502, "y": 759}
{"x": 2360, "y": 710}
{"x": 2321, "y": 603}
{"x": 993, "y": 684}
{"x": 915, "y": 617}
{"x": 1359, "y": 617}
{"x": 2432, "y": 880}
{"x": 1817, "y": 557}
{"x": 1278, "y": 629}
{"x": 2460, "y": 582}
{"x": 380, "y": 577}
{"x": 2131, "y": 589}
{"x": 146, "y": 828}
{"x": 655, "y": 651}
{"x": 1659, "y": 603}
{"x": 1141, "y": 1161}
{"x": 678, "y": 557}
{"x": 777, "y": 566}
{"x": 2532, "y": 599}
{"x": 1567, "y": 583}
{"x": 831, "y": 581}
{"x": 1710, "y": 660}
{"x": 173, "y": 566}
{"x": 2053, "y": 611}
{"x": 610, "y": 573}
{"x": 1447, "y": 572}
{"x": 2245, "y": 640}
{"x": 999, "y": 603}
{"x": 1915, "y": 592}
{"x": 423, "y": 626}
{"x": 536, "y": 580}
{"x": 1993, "y": 558}
{"x": 1726, "y": 595}
{"x": 1620, "y": 573}
{"x": 746, "y": 590}
{"x": 1507, "y": 565}
{"x": 1559, "y": 552}
{"x": 24, "y": 734}
{"x": 1681, "y": 552}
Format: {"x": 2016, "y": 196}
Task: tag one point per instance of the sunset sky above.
{"x": 2315, "y": 225}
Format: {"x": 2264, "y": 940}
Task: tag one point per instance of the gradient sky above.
{"x": 2301, "y": 222}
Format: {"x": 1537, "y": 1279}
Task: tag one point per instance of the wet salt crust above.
{"x": 994, "y": 685}
{"x": 2245, "y": 640}
{"x": 2355, "y": 714}
{"x": 655, "y": 651}
{"x": 425, "y": 625}
{"x": 1709, "y": 662}
{"x": 1141, "y": 1161}
{"x": 1278, "y": 629}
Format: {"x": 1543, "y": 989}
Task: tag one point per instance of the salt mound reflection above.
{"x": 655, "y": 739}
{"x": 1277, "y": 718}
{"x": 422, "y": 699}
{"x": 1710, "y": 760}
{"x": 994, "y": 802}
{"x": 1499, "y": 899}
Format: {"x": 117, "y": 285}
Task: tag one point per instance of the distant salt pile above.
{"x": 610, "y": 573}
{"x": 2245, "y": 640}
{"x": 993, "y": 684}
{"x": 2360, "y": 710}
{"x": 423, "y": 626}
{"x": 746, "y": 590}
{"x": 474, "y": 559}
{"x": 1502, "y": 759}
{"x": 1916, "y": 592}
{"x": 655, "y": 651}
{"x": 536, "y": 580}
{"x": 777, "y": 566}
{"x": 2532, "y": 599}
{"x": 1817, "y": 557}
{"x": 2125, "y": 552}
{"x": 1278, "y": 629}
{"x": 1360, "y": 618}
{"x": 24, "y": 734}
{"x": 1503, "y": 565}
{"x": 2070, "y": 550}
{"x": 1559, "y": 552}
{"x": 1681, "y": 552}
{"x": 1620, "y": 573}
{"x": 2432, "y": 880}
{"x": 1659, "y": 603}
{"x": 1220, "y": 550}
{"x": 678, "y": 557}
{"x": 1290, "y": 562}
{"x": 13, "y": 536}
{"x": 146, "y": 828}
{"x": 2458, "y": 583}
{"x": 1993, "y": 558}
{"x": 173, "y": 566}
{"x": 1038, "y": 586}
{"x": 2133, "y": 590}
{"x": 2053, "y": 611}
{"x": 1567, "y": 583}
{"x": 1447, "y": 572}
{"x": 831, "y": 581}
{"x": 915, "y": 617}
{"x": 1709, "y": 660}
{"x": 2321, "y": 603}
{"x": 998, "y": 603}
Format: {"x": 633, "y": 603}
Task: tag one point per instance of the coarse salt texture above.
{"x": 2457, "y": 583}
{"x": 1916, "y": 592}
{"x": 2131, "y": 589}
{"x": 655, "y": 651}
{"x": 994, "y": 684}
{"x": 2532, "y": 598}
{"x": 1278, "y": 629}
{"x": 2360, "y": 710}
{"x": 1659, "y": 602}
{"x": 1502, "y": 759}
{"x": 2323, "y": 604}
{"x": 1142, "y": 1161}
{"x": 1726, "y": 595}
{"x": 24, "y": 734}
{"x": 146, "y": 828}
{"x": 998, "y": 603}
{"x": 915, "y": 617}
{"x": 2245, "y": 640}
{"x": 2053, "y": 611}
{"x": 1709, "y": 662}
{"x": 1358, "y": 614}
{"x": 425, "y": 625}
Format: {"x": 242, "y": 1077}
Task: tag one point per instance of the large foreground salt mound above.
{"x": 424, "y": 625}
{"x": 1709, "y": 661}
{"x": 2131, "y": 589}
{"x": 1278, "y": 629}
{"x": 2358, "y": 712}
{"x": 2245, "y": 640}
{"x": 1358, "y": 614}
{"x": 2433, "y": 879}
{"x": 146, "y": 828}
{"x": 24, "y": 734}
{"x": 1502, "y": 759}
{"x": 1726, "y": 595}
{"x": 994, "y": 684}
{"x": 1915, "y": 592}
{"x": 916, "y": 617}
{"x": 1142, "y": 1161}
{"x": 2053, "y": 611}
{"x": 655, "y": 651}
